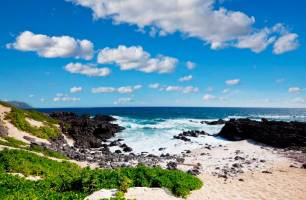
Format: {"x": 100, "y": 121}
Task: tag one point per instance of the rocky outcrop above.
{"x": 87, "y": 131}
{"x": 218, "y": 122}
{"x": 185, "y": 134}
{"x": 274, "y": 133}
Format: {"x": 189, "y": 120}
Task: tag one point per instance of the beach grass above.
{"x": 18, "y": 118}
{"x": 65, "y": 180}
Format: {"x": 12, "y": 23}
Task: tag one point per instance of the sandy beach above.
{"x": 263, "y": 173}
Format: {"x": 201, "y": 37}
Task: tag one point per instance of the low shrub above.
{"x": 65, "y": 180}
{"x": 18, "y": 118}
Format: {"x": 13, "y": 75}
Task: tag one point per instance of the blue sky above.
{"x": 79, "y": 53}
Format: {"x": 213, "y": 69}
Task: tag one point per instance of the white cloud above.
{"x": 122, "y": 90}
{"x": 208, "y": 97}
{"x": 294, "y": 90}
{"x": 232, "y": 82}
{"x": 154, "y": 86}
{"x": 257, "y": 41}
{"x": 285, "y": 43}
{"x": 65, "y": 98}
{"x": 31, "y": 95}
{"x": 194, "y": 18}
{"x": 42, "y": 100}
{"x": 76, "y": 89}
{"x": 134, "y": 57}
{"x": 187, "y": 89}
{"x": 88, "y": 70}
{"x": 122, "y": 101}
{"x": 190, "y": 65}
{"x": 103, "y": 90}
{"x": 54, "y": 46}
{"x": 202, "y": 19}
{"x": 185, "y": 78}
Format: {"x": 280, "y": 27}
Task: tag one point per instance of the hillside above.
{"x": 30, "y": 168}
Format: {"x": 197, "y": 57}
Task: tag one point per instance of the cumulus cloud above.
{"x": 122, "y": 90}
{"x": 190, "y": 65}
{"x": 201, "y": 19}
{"x": 257, "y": 41}
{"x": 208, "y": 97}
{"x": 88, "y": 70}
{"x": 65, "y": 98}
{"x": 232, "y": 82}
{"x": 185, "y": 78}
{"x": 76, "y": 89}
{"x": 285, "y": 43}
{"x": 53, "y": 46}
{"x": 134, "y": 57}
{"x": 294, "y": 90}
{"x": 122, "y": 101}
{"x": 194, "y": 18}
{"x": 187, "y": 89}
{"x": 154, "y": 86}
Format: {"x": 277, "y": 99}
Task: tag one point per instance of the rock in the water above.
{"x": 127, "y": 149}
{"x": 218, "y": 122}
{"x": 86, "y": 131}
{"x": 274, "y": 133}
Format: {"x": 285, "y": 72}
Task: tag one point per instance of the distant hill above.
{"x": 20, "y": 104}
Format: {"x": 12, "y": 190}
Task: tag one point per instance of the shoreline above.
{"x": 234, "y": 168}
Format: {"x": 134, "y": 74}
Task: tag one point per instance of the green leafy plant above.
{"x": 18, "y": 118}
{"x": 65, "y": 180}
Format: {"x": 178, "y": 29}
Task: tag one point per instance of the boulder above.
{"x": 87, "y": 131}
{"x": 274, "y": 133}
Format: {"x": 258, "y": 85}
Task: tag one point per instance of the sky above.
{"x": 94, "y": 53}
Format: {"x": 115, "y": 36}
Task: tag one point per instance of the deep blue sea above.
{"x": 150, "y": 128}
{"x": 296, "y": 114}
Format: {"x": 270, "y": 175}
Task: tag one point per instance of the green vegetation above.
{"x": 65, "y": 180}
{"x": 47, "y": 131}
{"x": 12, "y": 142}
{"x": 46, "y": 151}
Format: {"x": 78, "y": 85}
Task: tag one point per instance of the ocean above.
{"x": 147, "y": 129}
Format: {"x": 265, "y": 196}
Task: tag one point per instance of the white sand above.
{"x": 69, "y": 140}
{"x": 102, "y": 194}
{"x": 16, "y": 133}
{"x": 149, "y": 194}
{"x": 34, "y": 123}
{"x": 283, "y": 183}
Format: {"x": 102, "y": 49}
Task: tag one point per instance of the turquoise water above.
{"x": 148, "y": 129}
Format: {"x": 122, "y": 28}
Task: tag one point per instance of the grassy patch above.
{"x": 12, "y": 142}
{"x": 47, "y": 152}
{"x": 65, "y": 180}
{"x": 47, "y": 131}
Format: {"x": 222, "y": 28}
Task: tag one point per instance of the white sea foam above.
{"x": 150, "y": 135}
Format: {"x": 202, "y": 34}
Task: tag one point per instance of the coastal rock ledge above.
{"x": 274, "y": 133}
{"x": 87, "y": 131}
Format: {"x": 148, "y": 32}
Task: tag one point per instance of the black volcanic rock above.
{"x": 274, "y": 133}
{"x": 183, "y": 136}
{"x": 218, "y": 122}
{"x": 88, "y": 132}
